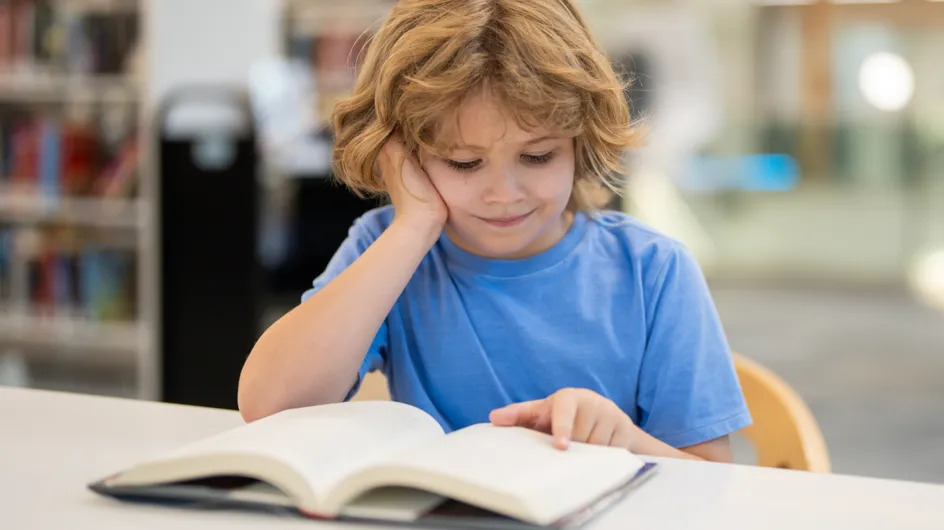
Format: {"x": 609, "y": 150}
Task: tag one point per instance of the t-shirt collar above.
{"x": 508, "y": 268}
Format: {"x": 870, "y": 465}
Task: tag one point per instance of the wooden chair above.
{"x": 784, "y": 433}
{"x": 373, "y": 388}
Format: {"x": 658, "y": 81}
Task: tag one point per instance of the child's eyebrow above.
{"x": 539, "y": 139}
{"x": 479, "y": 148}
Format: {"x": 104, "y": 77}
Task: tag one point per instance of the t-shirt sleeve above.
{"x": 688, "y": 388}
{"x": 360, "y": 237}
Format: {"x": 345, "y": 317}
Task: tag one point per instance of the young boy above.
{"x": 492, "y": 289}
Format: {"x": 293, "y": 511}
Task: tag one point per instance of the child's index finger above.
{"x": 515, "y": 414}
{"x": 563, "y": 414}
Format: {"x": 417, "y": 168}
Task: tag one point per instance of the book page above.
{"x": 323, "y": 444}
{"x": 511, "y": 470}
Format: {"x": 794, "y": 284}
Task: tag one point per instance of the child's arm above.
{"x": 717, "y": 450}
{"x": 312, "y": 355}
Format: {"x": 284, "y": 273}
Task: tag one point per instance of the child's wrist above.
{"x": 424, "y": 229}
{"x": 636, "y": 440}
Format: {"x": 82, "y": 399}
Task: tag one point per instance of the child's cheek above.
{"x": 456, "y": 189}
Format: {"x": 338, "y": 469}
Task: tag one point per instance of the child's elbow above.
{"x": 255, "y": 400}
{"x": 717, "y": 450}
{"x": 249, "y": 411}
{"x": 251, "y": 407}
{"x": 258, "y": 399}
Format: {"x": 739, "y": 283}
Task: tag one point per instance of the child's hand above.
{"x": 572, "y": 415}
{"x": 413, "y": 195}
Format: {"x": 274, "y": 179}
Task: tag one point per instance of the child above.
{"x": 491, "y": 289}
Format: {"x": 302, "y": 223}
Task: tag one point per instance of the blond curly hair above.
{"x": 538, "y": 56}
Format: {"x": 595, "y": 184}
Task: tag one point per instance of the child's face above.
{"x": 506, "y": 188}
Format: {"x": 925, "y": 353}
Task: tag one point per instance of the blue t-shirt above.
{"x": 614, "y": 307}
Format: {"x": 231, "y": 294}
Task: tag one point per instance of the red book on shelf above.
{"x": 24, "y": 155}
{"x": 79, "y": 158}
{"x": 43, "y": 295}
{"x": 23, "y": 17}
{"x": 6, "y": 34}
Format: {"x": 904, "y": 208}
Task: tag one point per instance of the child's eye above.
{"x": 538, "y": 159}
{"x": 463, "y": 166}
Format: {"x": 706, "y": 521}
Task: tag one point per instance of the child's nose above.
{"x": 503, "y": 187}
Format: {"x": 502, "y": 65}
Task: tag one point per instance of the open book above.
{"x": 386, "y": 462}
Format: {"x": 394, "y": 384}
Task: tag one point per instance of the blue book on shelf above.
{"x": 91, "y": 278}
{"x": 6, "y": 255}
{"x": 108, "y": 296}
{"x": 62, "y": 286}
{"x": 4, "y": 149}
{"x": 50, "y": 159}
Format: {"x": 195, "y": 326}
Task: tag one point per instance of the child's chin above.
{"x": 501, "y": 249}
{"x": 512, "y": 244}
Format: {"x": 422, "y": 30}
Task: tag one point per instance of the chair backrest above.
{"x": 373, "y": 388}
{"x": 784, "y": 433}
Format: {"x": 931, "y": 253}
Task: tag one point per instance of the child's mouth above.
{"x": 506, "y": 222}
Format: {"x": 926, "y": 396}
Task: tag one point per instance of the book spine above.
{"x": 22, "y": 32}
{"x": 90, "y": 275}
{"x": 24, "y": 154}
{"x": 6, "y": 34}
{"x": 6, "y": 255}
{"x": 44, "y": 19}
{"x": 78, "y": 54}
{"x": 43, "y": 280}
{"x": 62, "y": 288}
{"x": 4, "y": 151}
{"x": 50, "y": 159}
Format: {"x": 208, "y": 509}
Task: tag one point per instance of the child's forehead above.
{"x": 481, "y": 123}
{"x": 485, "y": 134}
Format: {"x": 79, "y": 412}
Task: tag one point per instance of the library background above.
{"x": 165, "y": 190}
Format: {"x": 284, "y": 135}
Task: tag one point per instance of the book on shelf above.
{"x": 66, "y": 276}
{"x": 386, "y": 462}
{"x": 53, "y": 156}
{"x": 38, "y": 37}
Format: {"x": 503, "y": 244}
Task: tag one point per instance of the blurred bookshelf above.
{"x": 72, "y": 218}
{"x": 34, "y": 208}
{"x": 24, "y": 88}
{"x": 327, "y": 39}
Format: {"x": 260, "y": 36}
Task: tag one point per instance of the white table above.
{"x": 53, "y": 444}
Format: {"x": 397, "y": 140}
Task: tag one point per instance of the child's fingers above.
{"x": 584, "y": 422}
{"x": 602, "y": 432}
{"x": 563, "y": 414}
{"x": 622, "y": 437}
{"x": 523, "y": 414}
{"x": 391, "y": 159}
{"x": 392, "y": 150}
